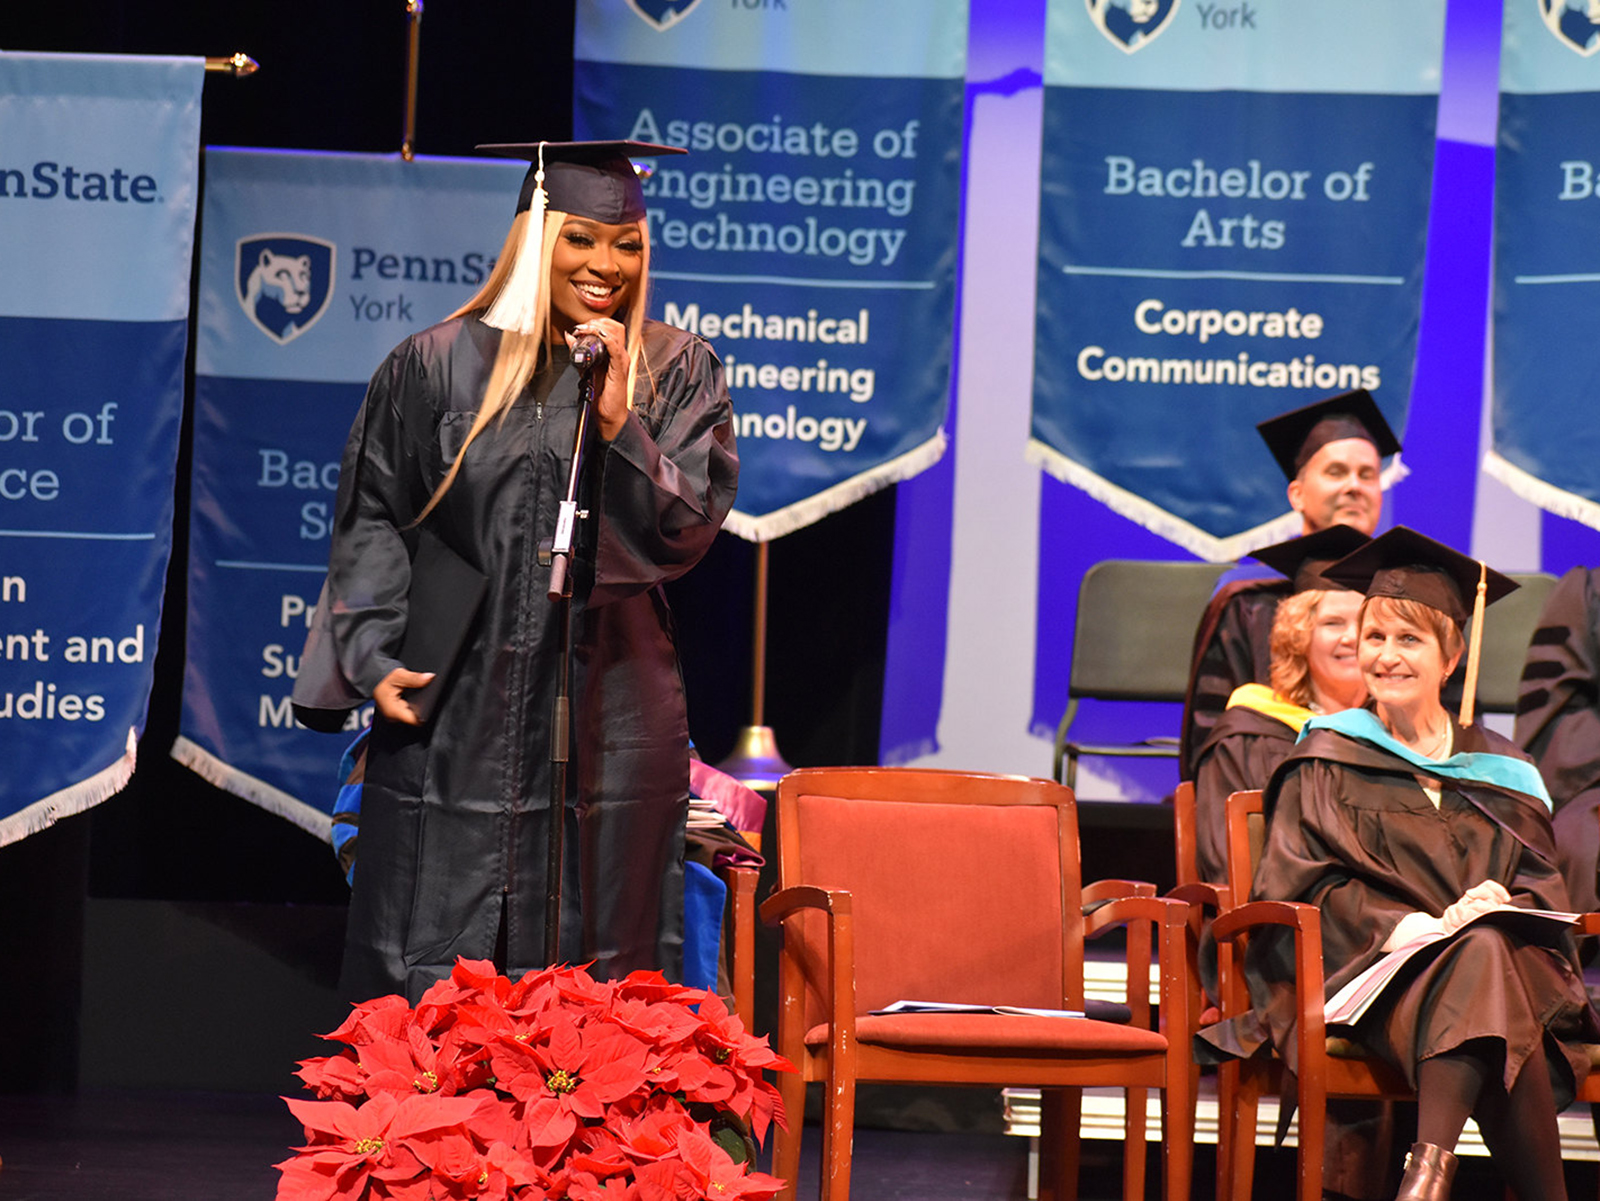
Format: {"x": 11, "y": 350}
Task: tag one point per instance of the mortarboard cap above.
{"x": 587, "y": 179}
{"x": 1305, "y": 558}
{"x": 1403, "y": 563}
{"x": 1295, "y": 436}
{"x": 596, "y": 180}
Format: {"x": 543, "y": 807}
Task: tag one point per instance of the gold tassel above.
{"x": 514, "y": 308}
{"x": 1470, "y": 687}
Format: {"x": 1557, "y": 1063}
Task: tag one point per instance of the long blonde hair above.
{"x": 520, "y": 356}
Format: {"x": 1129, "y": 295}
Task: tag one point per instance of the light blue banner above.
{"x": 1546, "y": 430}
{"x": 888, "y": 39}
{"x": 93, "y": 201}
{"x": 1352, "y": 46}
{"x": 98, "y": 170}
{"x": 1224, "y": 236}
{"x": 811, "y": 232}
{"x": 313, "y": 267}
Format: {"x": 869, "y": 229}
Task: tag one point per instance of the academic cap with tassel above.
{"x": 596, "y": 180}
{"x": 1405, "y": 564}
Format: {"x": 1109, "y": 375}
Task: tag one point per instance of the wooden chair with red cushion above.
{"x": 1205, "y": 901}
{"x": 1329, "y": 1067}
{"x": 923, "y": 885}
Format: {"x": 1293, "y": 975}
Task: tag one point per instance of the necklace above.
{"x": 1438, "y": 743}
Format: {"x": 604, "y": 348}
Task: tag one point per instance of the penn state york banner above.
{"x": 1233, "y": 223}
{"x": 98, "y": 169}
{"x": 1546, "y": 426}
{"x": 312, "y": 267}
{"x": 811, "y": 232}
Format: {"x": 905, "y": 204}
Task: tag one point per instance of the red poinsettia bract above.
{"x": 554, "y": 1087}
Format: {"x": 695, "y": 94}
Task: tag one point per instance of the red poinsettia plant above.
{"x": 555, "y": 1086}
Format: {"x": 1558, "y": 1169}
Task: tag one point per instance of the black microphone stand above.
{"x": 560, "y": 593}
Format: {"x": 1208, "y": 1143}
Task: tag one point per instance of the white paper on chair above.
{"x": 958, "y": 1007}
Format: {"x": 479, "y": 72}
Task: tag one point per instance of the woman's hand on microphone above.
{"x": 611, "y": 396}
{"x": 390, "y": 699}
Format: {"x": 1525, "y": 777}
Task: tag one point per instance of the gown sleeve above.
{"x": 361, "y": 618}
{"x": 1228, "y": 764}
{"x": 667, "y": 479}
{"x": 1558, "y": 704}
{"x": 1232, "y": 647}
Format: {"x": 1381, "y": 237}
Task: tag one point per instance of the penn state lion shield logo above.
{"x": 1576, "y": 23}
{"x": 1133, "y": 24}
{"x": 663, "y": 14}
{"x": 283, "y": 282}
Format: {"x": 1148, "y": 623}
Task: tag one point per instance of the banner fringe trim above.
{"x": 1547, "y": 496}
{"x": 1156, "y": 519}
{"x": 841, "y": 496}
{"x": 908, "y": 752}
{"x": 318, "y": 823}
{"x": 73, "y": 799}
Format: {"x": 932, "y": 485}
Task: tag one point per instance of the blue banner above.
{"x": 1233, "y": 224}
{"x": 312, "y": 267}
{"x": 98, "y": 170}
{"x": 810, "y": 234}
{"x": 1546, "y": 429}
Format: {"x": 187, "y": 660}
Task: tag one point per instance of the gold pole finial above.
{"x": 413, "y": 54}
{"x": 238, "y": 65}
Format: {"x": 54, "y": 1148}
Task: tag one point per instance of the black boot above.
{"x": 1429, "y": 1171}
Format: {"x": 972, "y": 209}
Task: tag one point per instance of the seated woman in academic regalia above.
{"x": 1314, "y": 670}
{"x": 1397, "y": 823}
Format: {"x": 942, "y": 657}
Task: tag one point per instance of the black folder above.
{"x": 442, "y": 604}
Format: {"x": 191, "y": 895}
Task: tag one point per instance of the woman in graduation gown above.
{"x": 1314, "y": 670}
{"x": 1400, "y": 822}
{"x": 467, "y": 435}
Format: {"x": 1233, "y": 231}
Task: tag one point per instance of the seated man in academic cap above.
{"x": 1332, "y": 453}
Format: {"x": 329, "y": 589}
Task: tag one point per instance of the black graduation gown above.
{"x": 1241, "y": 753}
{"x": 1244, "y": 749}
{"x": 1232, "y": 646}
{"x": 454, "y": 813}
{"x": 1558, "y": 723}
{"x": 1354, "y": 834}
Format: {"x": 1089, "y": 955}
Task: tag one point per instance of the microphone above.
{"x": 589, "y": 353}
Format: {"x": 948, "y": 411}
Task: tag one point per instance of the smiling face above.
{"x": 595, "y": 270}
{"x": 1339, "y": 485}
{"x": 1331, "y": 657}
{"x": 1402, "y": 660}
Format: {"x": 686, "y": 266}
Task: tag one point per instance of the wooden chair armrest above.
{"x": 1101, "y": 891}
{"x": 1241, "y": 918}
{"x": 839, "y": 970}
{"x": 1174, "y": 953}
{"x": 1205, "y": 901}
{"x": 1305, "y": 924}
{"x": 741, "y": 882}
{"x": 803, "y": 896}
{"x": 1114, "y": 911}
{"x": 1203, "y": 896}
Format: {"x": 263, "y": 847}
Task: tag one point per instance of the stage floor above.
{"x": 188, "y": 1146}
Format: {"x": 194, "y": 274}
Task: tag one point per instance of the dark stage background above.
{"x": 332, "y": 77}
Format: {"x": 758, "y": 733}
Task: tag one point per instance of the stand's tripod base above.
{"x": 755, "y": 761}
